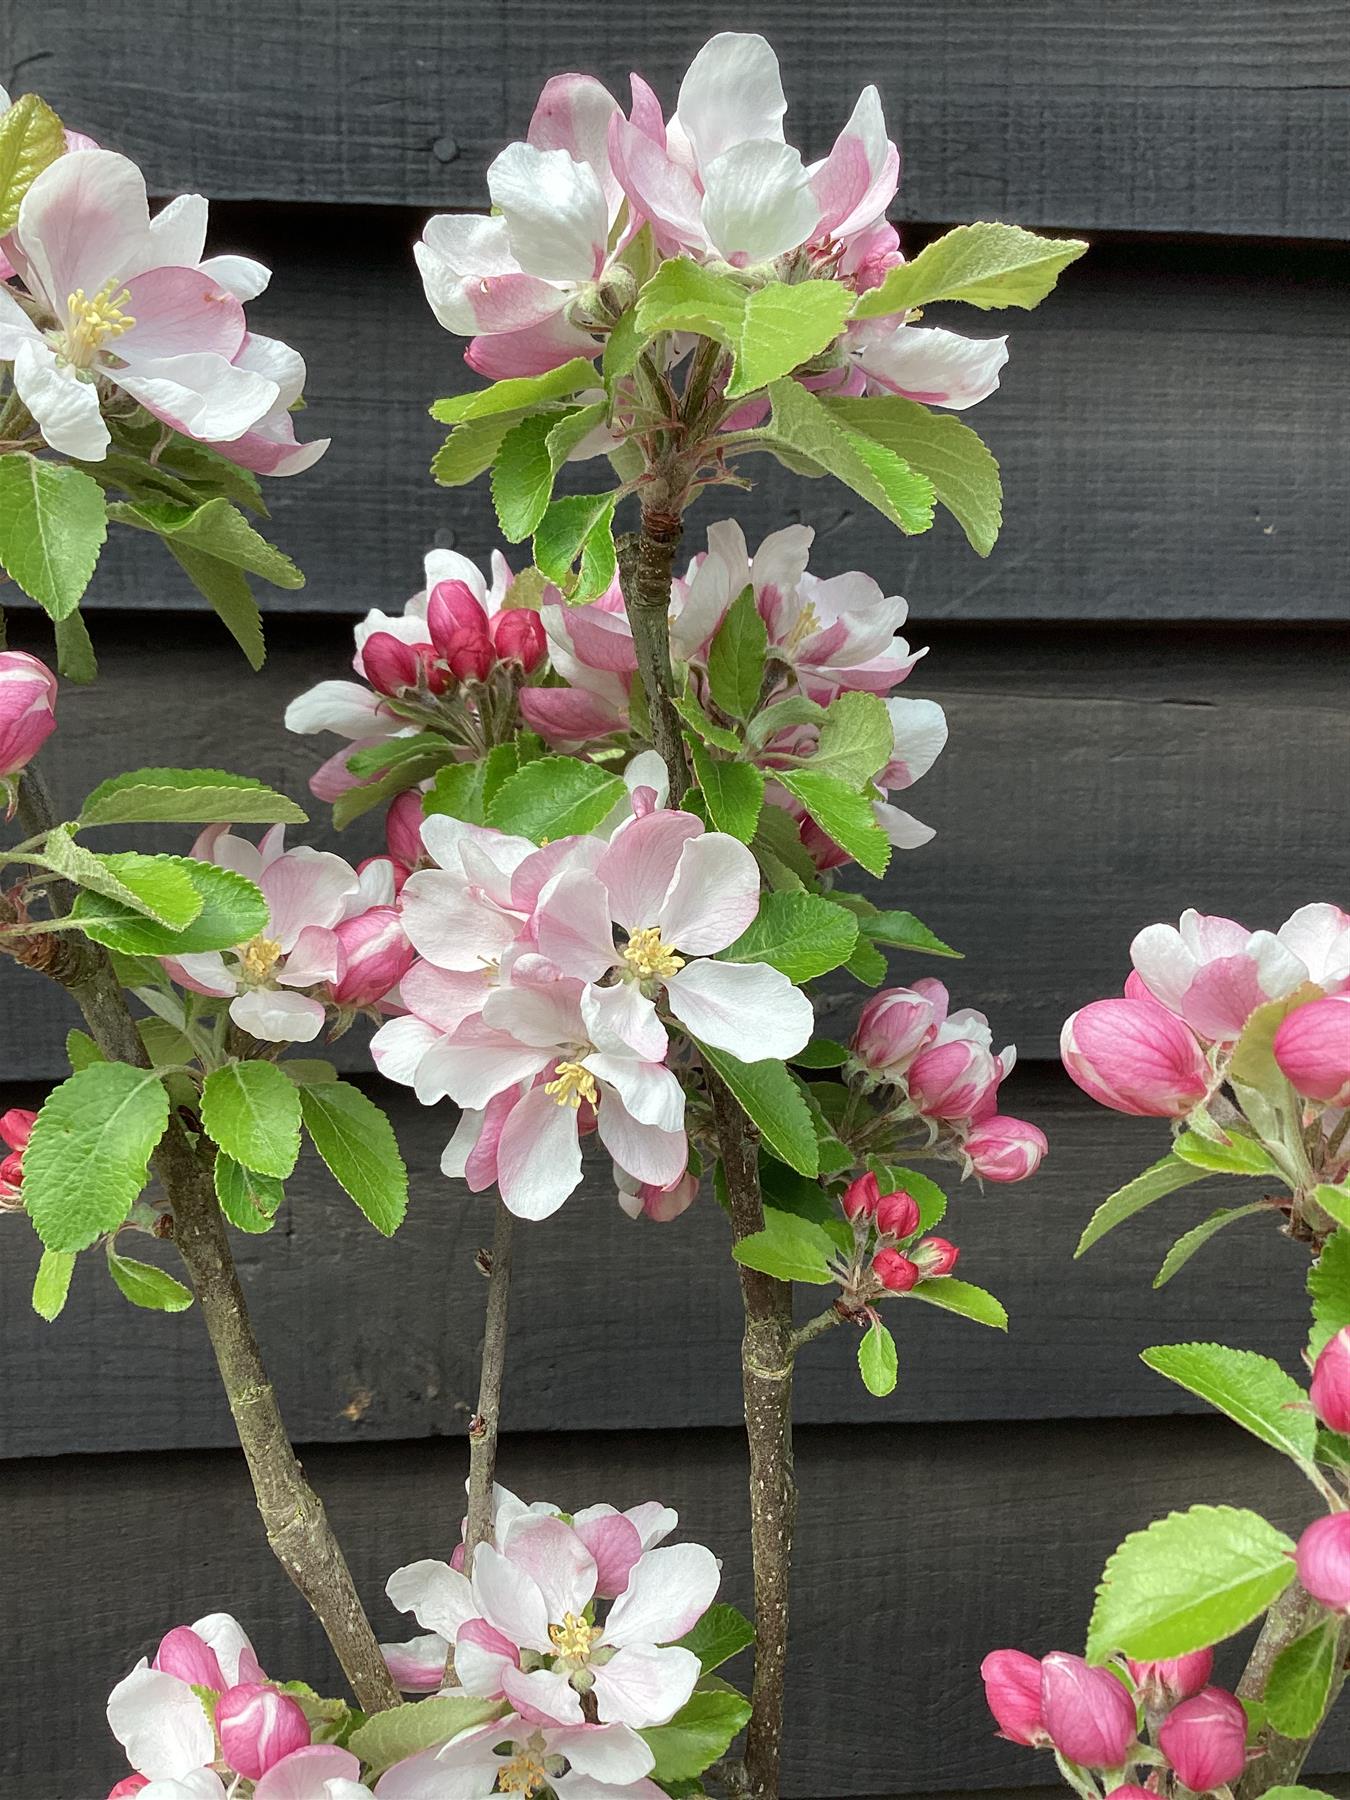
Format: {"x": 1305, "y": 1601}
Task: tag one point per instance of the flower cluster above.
{"x": 16, "y": 1127}
{"x": 1132, "y": 1719}
{"x": 27, "y": 716}
{"x": 886, "y": 1257}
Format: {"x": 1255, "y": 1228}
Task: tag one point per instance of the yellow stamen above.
{"x": 646, "y": 955}
{"x": 808, "y": 621}
{"x": 571, "y": 1085}
{"x": 524, "y": 1775}
{"x": 90, "y": 322}
{"x": 574, "y": 1637}
{"x": 257, "y": 960}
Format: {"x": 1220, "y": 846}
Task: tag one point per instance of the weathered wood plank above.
{"x": 1170, "y": 436}
{"x": 375, "y": 1339}
{"x": 920, "y": 1548}
{"x": 1201, "y": 118}
{"x": 1094, "y": 781}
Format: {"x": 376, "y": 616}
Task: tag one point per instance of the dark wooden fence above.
{"x": 1147, "y": 710}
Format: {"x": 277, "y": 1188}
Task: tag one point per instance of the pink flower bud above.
{"x": 518, "y": 636}
{"x": 374, "y": 956}
{"x": 935, "y": 1256}
{"x": 859, "y": 1199}
{"x": 452, "y": 606}
{"x": 469, "y": 655}
{"x": 1330, "y": 1389}
{"x": 1312, "y": 1047}
{"x": 897, "y": 1215}
{"x": 1002, "y": 1148}
{"x": 127, "y": 1786}
{"x": 1323, "y": 1561}
{"x": 11, "y": 1182}
{"x": 895, "y": 1271}
{"x": 403, "y": 828}
{"x": 182, "y": 1653}
{"x": 389, "y": 663}
{"x": 1135, "y": 1056}
{"x": 1205, "y": 1740}
{"x": 1176, "y": 1678}
{"x": 27, "y": 709}
{"x": 257, "y": 1727}
{"x": 895, "y": 1024}
{"x": 1012, "y": 1689}
{"x": 1131, "y": 1791}
{"x": 16, "y": 1126}
{"x": 953, "y": 1080}
{"x": 1088, "y": 1714}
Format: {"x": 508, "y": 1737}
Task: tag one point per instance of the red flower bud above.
{"x": 257, "y": 1727}
{"x": 16, "y": 1126}
{"x": 27, "y": 702}
{"x": 1205, "y": 1740}
{"x": 1012, "y": 1688}
{"x": 935, "y": 1256}
{"x": 374, "y": 956}
{"x": 1165, "y": 1682}
{"x": 1323, "y": 1561}
{"x": 895, "y": 1271}
{"x": 469, "y": 655}
{"x": 184, "y": 1654}
{"x": 860, "y": 1197}
{"x": 389, "y": 663}
{"x": 897, "y": 1215}
{"x": 1330, "y": 1390}
{"x": 403, "y": 828}
{"x": 518, "y": 636}
{"x": 1088, "y": 1714}
{"x": 1312, "y": 1047}
{"x": 452, "y": 607}
{"x": 128, "y": 1786}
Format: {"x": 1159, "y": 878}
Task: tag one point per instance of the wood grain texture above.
{"x": 920, "y": 1548}
{"x": 1095, "y": 780}
{"x": 1172, "y": 428}
{"x": 1202, "y": 118}
{"x": 616, "y": 1324}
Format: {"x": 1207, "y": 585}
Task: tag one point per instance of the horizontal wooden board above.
{"x": 1170, "y": 428}
{"x": 1201, "y": 118}
{"x": 1095, "y": 780}
{"x": 618, "y": 1324}
{"x": 920, "y": 1548}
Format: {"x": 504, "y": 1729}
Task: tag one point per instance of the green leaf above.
{"x": 554, "y": 797}
{"x": 770, "y": 1098}
{"x": 388, "y": 1737}
{"x": 252, "y": 1112}
{"x": 1186, "y": 1582}
{"x": 1199, "y": 1235}
{"x": 415, "y": 752}
{"x": 471, "y": 448}
{"x": 520, "y": 393}
{"x": 857, "y": 739}
{"x": 699, "y": 1733}
{"x": 782, "y": 327}
{"x": 962, "y": 1297}
{"x": 75, "y": 659}
{"x": 227, "y": 590}
{"x": 932, "y": 1202}
{"x": 1297, "y": 1793}
{"x": 790, "y": 1248}
{"x": 623, "y": 346}
{"x": 885, "y": 480}
{"x": 684, "y": 296}
{"x": 578, "y": 526}
{"x": 955, "y": 459}
{"x": 902, "y": 931}
{"x": 566, "y": 430}
{"x": 216, "y": 529}
{"x": 232, "y": 911}
{"x": 1233, "y": 1154}
{"x": 1334, "y": 1201}
{"x": 1299, "y": 1684}
{"x": 357, "y": 1142}
{"x": 86, "y": 1161}
{"x": 522, "y": 477}
{"x": 736, "y": 657}
{"x": 187, "y": 797}
{"x": 877, "y": 1361}
{"x": 457, "y": 792}
{"x": 53, "y": 522}
{"x": 820, "y": 1053}
{"x": 867, "y": 964}
{"x": 1254, "y": 1391}
{"x": 82, "y": 1050}
{"x": 698, "y": 722}
{"x": 1329, "y": 1291}
{"x": 51, "y": 1284}
{"x": 732, "y": 791}
{"x": 984, "y": 265}
{"x": 722, "y": 1632}
{"x": 842, "y": 814}
{"x": 248, "y": 1200}
{"x": 31, "y": 137}
{"x": 800, "y": 934}
{"x": 152, "y": 886}
{"x": 145, "y": 1285}
{"x": 1164, "y": 1177}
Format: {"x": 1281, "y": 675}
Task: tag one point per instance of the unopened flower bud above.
{"x": 469, "y": 655}
{"x": 1088, "y": 1714}
{"x": 403, "y": 828}
{"x": 1205, "y": 1740}
{"x": 1135, "y": 1056}
{"x": 389, "y": 663}
{"x": 1164, "y": 1683}
{"x": 127, "y": 1786}
{"x": 257, "y": 1727}
{"x": 859, "y": 1199}
{"x": 11, "y": 1182}
{"x": 1012, "y": 1690}
{"x": 1312, "y": 1047}
{"x": 897, "y": 1215}
{"x": 935, "y": 1256}
{"x": 184, "y": 1654}
{"x": 895, "y": 1271}
{"x": 1330, "y": 1388}
{"x": 518, "y": 636}
{"x": 954, "y": 1080}
{"x": 894, "y": 1025}
{"x": 27, "y": 709}
{"x": 452, "y": 607}
{"x": 1323, "y": 1561}
{"x": 16, "y": 1126}
{"x": 1002, "y": 1148}
{"x": 374, "y": 957}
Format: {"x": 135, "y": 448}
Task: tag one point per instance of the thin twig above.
{"x": 483, "y": 1426}
{"x": 1281, "y": 1760}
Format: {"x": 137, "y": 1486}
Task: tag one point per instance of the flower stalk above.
{"x": 484, "y": 1424}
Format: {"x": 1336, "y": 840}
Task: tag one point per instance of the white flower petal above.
{"x": 160, "y": 1723}
{"x": 747, "y": 1008}
{"x": 758, "y": 202}
{"x": 643, "y": 1685}
{"x": 731, "y": 91}
{"x": 65, "y": 408}
{"x": 539, "y": 1157}
{"x": 510, "y": 1600}
{"x": 555, "y": 210}
{"x": 714, "y": 896}
{"x": 436, "y": 1595}
{"x": 667, "y": 1594}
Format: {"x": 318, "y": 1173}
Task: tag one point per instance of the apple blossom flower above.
{"x": 895, "y": 1024}
{"x": 154, "y": 1712}
{"x": 1329, "y": 1389}
{"x": 1136, "y": 1057}
{"x": 650, "y": 1200}
{"x": 16, "y": 1127}
{"x": 591, "y": 647}
{"x": 1214, "y": 973}
{"x": 1312, "y": 1047}
{"x": 27, "y": 714}
{"x": 956, "y": 1075}
{"x": 1165, "y": 1682}
{"x": 257, "y": 1727}
{"x": 519, "y": 1756}
{"x": 1087, "y": 1713}
{"x": 1205, "y": 1740}
{"x": 373, "y": 953}
{"x": 1012, "y": 1691}
{"x": 1002, "y": 1148}
{"x": 921, "y": 362}
{"x": 1323, "y": 1561}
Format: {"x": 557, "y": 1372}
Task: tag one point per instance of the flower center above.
{"x": 90, "y": 322}
{"x": 804, "y": 626}
{"x": 257, "y": 960}
{"x": 646, "y": 955}
{"x": 524, "y": 1775}
{"x": 573, "y": 1638}
{"x": 571, "y": 1085}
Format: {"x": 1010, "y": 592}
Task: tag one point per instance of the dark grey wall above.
{"x": 1146, "y": 691}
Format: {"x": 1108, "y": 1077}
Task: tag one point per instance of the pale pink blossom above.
{"x": 1214, "y": 973}
{"x": 1135, "y": 1056}
{"x": 1002, "y": 1148}
{"x": 575, "y": 1762}
{"x": 896, "y": 1023}
{"x": 155, "y": 1714}
{"x": 649, "y": 1200}
{"x": 921, "y": 362}
{"x": 27, "y": 711}
{"x": 591, "y": 647}
{"x": 956, "y": 1074}
{"x": 1312, "y": 1047}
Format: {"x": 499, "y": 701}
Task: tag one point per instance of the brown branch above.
{"x": 297, "y": 1526}
{"x": 1281, "y": 1760}
{"x": 483, "y": 1426}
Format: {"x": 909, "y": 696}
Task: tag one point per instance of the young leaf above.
{"x": 782, "y": 327}
{"x": 802, "y": 935}
{"x": 842, "y": 814}
{"x": 1253, "y": 1390}
{"x": 902, "y": 931}
{"x": 227, "y": 590}
{"x": 1297, "y": 1793}
{"x": 684, "y": 296}
{"x": 215, "y": 529}
{"x": 1165, "y": 1177}
{"x": 75, "y": 659}
{"x": 520, "y": 393}
{"x": 703, "y": 727}
{"x": 81, "y": 1050}
{"x": 232, "y": 911}
{"x": 153, "y": 886}
{"x": 770, "y": 1098}
{"x": 457, "y": 791}
{"x": 1199, "y": 1235}
{"x": 522, "y": 476}
{"x": 820, "y": 1053}
{"x": 557, "y": 796}
{"x": 699, "y": 1733}
{"x": 1233, "y": 1154}
{"x": 984, "y": 265}
{"x": 720, "y": 1634}
{"x": 1334, "y": 1201}
{"x": 1329, "y": 1291}
{"x": 145, "y": 1285}
{"x": 790, "y": 1248}
{"x": 955, "y": 459}
{"x": 963, "y": 1297}
{"x": 252, "y": 1112}
{"x": 1186, "y": 1582}
{"x": 802, "y": 424}
{"x": 357, "y": 1142}
{"x": 1300, "y": 1681}
{"x": 86, "y": 1161}
{"x": 472, "y": 447}
{"x": 379, "y": 759}
{"x": 51, "y": 1284}
{"x": 857, "y": 739}
{"x": 388, "y": 1737}
{"x": 53, "y": 522}
{"x": 248, "y": 1200}
{"x": 867, "y": 964}
{"x": 877, "y": 1361}
{"x": 31, "y": 136}
{"x": 732, "y": 791}
{"x": 736, "y": 657}
{"x": 187, "y": 797}
{"x": 578, "y": 526}
{"x": 623, "y": 346}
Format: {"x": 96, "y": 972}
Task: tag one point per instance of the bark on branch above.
{"x": 483, "y": 1426}
{"x": 1282, "y": 1759}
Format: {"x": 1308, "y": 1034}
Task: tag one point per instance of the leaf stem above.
{"x": 483, "y": 1426}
